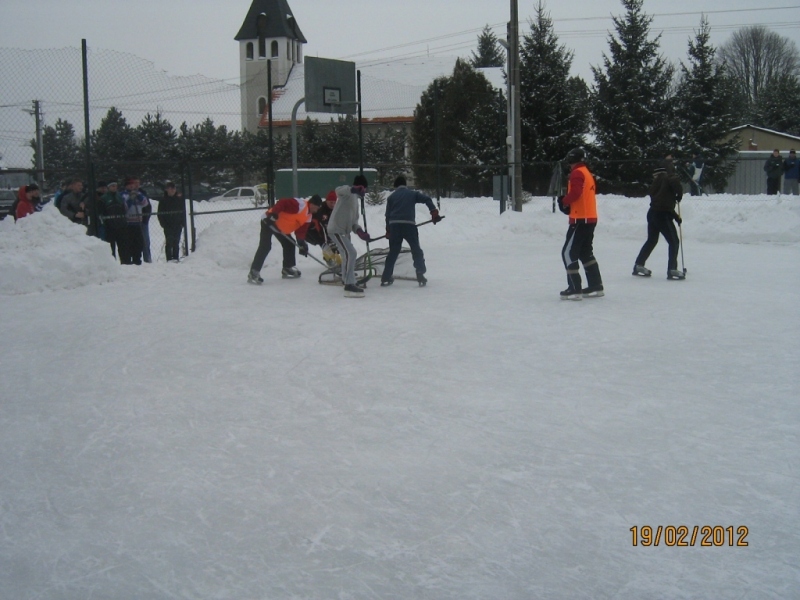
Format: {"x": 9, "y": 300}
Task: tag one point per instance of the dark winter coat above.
{"x": 665, "y": 191}
{"x": 112, "y": 210}
{"x": 71, "y": 205}
{"x": 773, "y": 167}
{"x": 401, "y": 206}
{"x": 791, "y": 167}
{"x": 172, "y": 212}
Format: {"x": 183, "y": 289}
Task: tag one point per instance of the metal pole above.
{"x": 37, "y": 109}
{"x": 295, "y": 186}
{"x": 271, "y": 173}
{"x": 360, "y": 132}
{"x": 436, "y": 135}
{"x": 90, "y": 193}
{"x": 517, "y": 145}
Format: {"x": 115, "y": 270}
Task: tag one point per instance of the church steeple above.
{"x": 269, "y": 33}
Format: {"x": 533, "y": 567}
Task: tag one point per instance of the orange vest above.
{"x": 585, "y": 207}
{"x": 288, "y": 223}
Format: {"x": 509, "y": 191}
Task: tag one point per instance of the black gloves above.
{"x": 435, "y": 216}
{"x": 303, "y": 247}
{"x": 561, "y": 206}
{"x": 677, "y": 218}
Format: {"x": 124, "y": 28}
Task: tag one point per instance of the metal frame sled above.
{"x": 371, "y": 264}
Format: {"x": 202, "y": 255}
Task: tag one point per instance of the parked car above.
{"x": 7, "y": 198}
{"x": 257, "y": 195}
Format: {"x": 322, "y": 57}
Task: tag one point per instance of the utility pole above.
{"x": 514, "y": 101}
{"x": 37, "y": 113}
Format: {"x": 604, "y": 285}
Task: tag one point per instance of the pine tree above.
{"x": 489, "y": 52}
{"x": 553, "y": 106}
{"x": 778, "y": 107}
{"x": 464, "y": 103}
{"x": 159, "y": 142}
{"x": 62, "y": 154}
{"x": 206, "y": 148}
{"x": 116, "y": 148}
{"x": 704, "y": 111}
{"x": 631, "y": 116}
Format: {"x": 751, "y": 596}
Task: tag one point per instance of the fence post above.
{"x": 191, "y": 210}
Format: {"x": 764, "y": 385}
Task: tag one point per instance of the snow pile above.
{"x": 45, "y": 251}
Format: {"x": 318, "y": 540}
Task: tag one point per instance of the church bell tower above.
{"x": 269, "y": 35}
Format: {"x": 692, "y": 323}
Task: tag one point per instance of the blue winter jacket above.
{"x": 401, "y": 205}
{"x": 791, "y": 168}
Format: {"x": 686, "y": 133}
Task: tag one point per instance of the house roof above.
{"x": 765, "y": 130}
{"x": 280, "y": 21}
{"x": 390, "y": 90}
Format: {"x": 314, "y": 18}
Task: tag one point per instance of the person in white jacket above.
{"x": 342, "y": 222}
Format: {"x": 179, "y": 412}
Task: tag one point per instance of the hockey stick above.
{"x": 419, "y": 225}
{"x": 291, "y": 239}
{"x": 680, "y": 236}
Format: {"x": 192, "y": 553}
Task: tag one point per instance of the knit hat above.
{"x": 331, "y": 197}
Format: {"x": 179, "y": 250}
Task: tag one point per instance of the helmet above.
{"x": 575, "y": 155}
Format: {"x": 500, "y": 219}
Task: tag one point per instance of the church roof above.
{"x": 280, "y": 21}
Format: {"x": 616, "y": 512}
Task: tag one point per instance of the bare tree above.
{"x": 756, "y": 57}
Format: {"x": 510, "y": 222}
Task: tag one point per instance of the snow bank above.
{"x": 45, "y": 251}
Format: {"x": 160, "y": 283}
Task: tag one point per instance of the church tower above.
{"x": 269, "y": 34}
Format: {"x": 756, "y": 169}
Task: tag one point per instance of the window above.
{"x": 262, "y": 48}
{"x": 248, "y": 193}
{"x": 231, "y": 194}
{"x": 262, "y": 105}
{"x": 274, "y": 49}
{"x": 249, "y": 51}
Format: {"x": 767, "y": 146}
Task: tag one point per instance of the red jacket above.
{"x": 24, "y": 207}
{"x": 293, "y": 216}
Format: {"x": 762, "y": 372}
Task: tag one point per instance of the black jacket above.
{"x": 172, "y": 212}
{"x": 665, "y": 191}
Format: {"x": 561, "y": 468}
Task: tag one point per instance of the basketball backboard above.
{"x": 330, "y": 86}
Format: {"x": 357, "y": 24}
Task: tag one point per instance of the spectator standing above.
{"x": 100, "y": 191}
{"x": 135, "y": 201}
{"x": 665, "y": 191}
{"x": 580, "y": 204}
{"x": 73, "y": 202}
{"x": 112, "y": 214}
{"x": 172, "y": 217}
{"x": 401, "y": 224}
{"x": 147, "y": 212}
{"x": 344, "y": 221}
{"x": 695, "y": 170}
{"x": 288, "y": 216}
{"x": 27, "y": 201}
{"x": 773, "y": 167}
{"x": 791, "y": 174}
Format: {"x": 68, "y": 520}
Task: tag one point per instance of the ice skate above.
{"x": 421, "y": 279}
{"x": 353, "y": 291}
{"x": 290, "y": 273}
{"x": 570, "y": 294}
{"x": 594, "y": 291}
{"x": 641, "y": 271}
{"x": 675, "y": 274}
{"x": 387, "y": 283}
{"x": 254, "y": 277}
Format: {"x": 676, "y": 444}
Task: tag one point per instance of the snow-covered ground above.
{"x": 168, "y": 431}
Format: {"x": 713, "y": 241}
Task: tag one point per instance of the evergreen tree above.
{"x": 62, "y": 154}
{"x": 631, "y": 116}
{"x": 117, "y": 150}
{"x": 489, "y": 52}
{"x": 466, "y": 101}
{"x": 208, "y": 149}
{"x": 778, "y": 107}
{"x": 159, "y": 142}
{"x": 703, "y": 111}
{"x": 386, "y": 151}
{"x": 553, "y": 106}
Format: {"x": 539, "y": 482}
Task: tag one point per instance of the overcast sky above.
{"x": 186, "y": 37}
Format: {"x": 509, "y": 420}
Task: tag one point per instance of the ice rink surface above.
{"x": 169, "y": 431}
